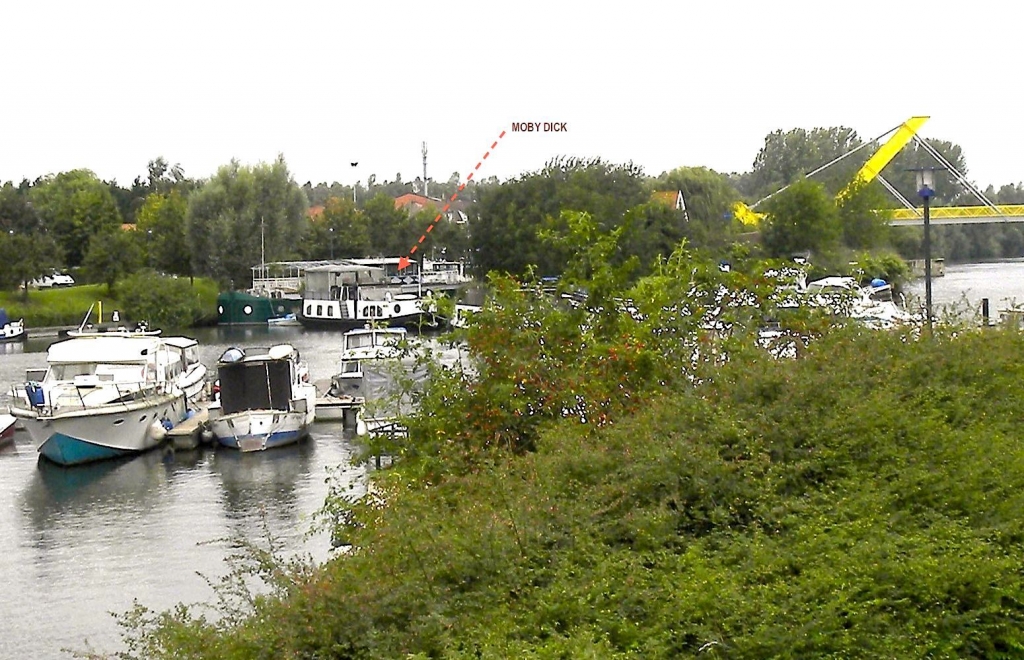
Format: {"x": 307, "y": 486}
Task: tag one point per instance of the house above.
{"x": 672, "y": 199}
{"x": 413, "y": 203}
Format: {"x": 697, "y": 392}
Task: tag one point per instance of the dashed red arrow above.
{"x": 403, "y": 262}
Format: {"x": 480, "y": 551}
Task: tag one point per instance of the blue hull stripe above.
{"x": 275, "y": 440}
{"x": 66, "y": 450}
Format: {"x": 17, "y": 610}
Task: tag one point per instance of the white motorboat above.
{"x": 188, "y": 371}
{"x": 11, "y": 330}
{"x": 872, "y": 305}
{"x": 368, "y": 355}
{"x": 103, "y": 396}
{"x": 265, "y": 401}
{"x": 289, "y": 320}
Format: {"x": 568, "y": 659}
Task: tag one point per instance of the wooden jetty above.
{"x": 345, "y": 409}
{"x": 188, "y": 434}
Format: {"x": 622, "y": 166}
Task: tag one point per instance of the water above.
{"x": 964, "y": 285}
{"x": 78, "y": 544}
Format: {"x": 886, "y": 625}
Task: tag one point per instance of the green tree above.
{"x": 74, "y": 206}
{"x": 391, "y": 230}
{"x": 161, "y": 228}
{"x": 112, "y": 255}
{"x": 802, "y": 218}
{"x": 510, "y": 215}
{"x": 244, "y": 215}
{"x": 863, "y": 218}
{"x": 26, "y": 251}
{"x": 788, "y": 156}
{"x": 342, "y": 231}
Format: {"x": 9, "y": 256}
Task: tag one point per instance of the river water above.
{"x": 964, "y": 286}
{"x": 78, "y": 544}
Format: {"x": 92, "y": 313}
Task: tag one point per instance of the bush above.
{"x": 166, "y": 301}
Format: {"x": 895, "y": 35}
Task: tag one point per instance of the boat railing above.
{"x": 72, "y": 397}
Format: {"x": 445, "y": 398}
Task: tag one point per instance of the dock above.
{"x": 188, "y": 434}
{"x": 345, "y": 409}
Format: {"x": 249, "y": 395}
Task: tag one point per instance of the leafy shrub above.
{"x": 166, "y": 301}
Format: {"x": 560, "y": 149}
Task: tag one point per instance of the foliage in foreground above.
{"x": 862, "y": 500}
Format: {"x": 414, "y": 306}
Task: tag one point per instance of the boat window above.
{"x": 309, "y": 310}
{"x": 360, "y": 341}
{"x": 69, "y": 371}
{"x": 319, "y": 310}
{"x": 330, "y": 310}
{"x": 350, "y": 367}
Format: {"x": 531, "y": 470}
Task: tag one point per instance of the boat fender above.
{"x": 157, "y": 431}
{"x": 387, "y": 296}
{"x": 167, "y": 424}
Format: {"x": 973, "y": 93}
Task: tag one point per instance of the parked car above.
{"x": 53, "y": 280}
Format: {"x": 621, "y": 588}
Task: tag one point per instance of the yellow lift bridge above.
{"x": 910, "y": 215}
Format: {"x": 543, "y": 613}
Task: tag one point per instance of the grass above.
{"x": 63, "y": 306}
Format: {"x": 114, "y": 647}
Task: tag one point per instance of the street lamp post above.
{"x": 331, "y": 229}
{"x": 925, "y": 183}
{"x": 354, "y": 185}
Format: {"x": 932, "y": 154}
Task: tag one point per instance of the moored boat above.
{"x": 11, "y": 330}
{"x": 366, "y": 357}
{"x": 348, "y": 295}
{"x": 103, "y": 396}
{"x": 265, "y": 401}
{"x": 7, "y": 424}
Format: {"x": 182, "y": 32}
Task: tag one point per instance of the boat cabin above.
{"x": 257, "y": 380}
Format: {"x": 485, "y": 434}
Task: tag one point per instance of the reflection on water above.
{"x": 83, "y": 542}
{"x": 10, "y": 347}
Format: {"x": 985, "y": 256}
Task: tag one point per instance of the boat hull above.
{"x": 12, "y": 332}
{"x": 103, "y": 432}
{"x": 258, "y": 430}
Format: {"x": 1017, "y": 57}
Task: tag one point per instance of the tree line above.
{"x": 222, "y": 226}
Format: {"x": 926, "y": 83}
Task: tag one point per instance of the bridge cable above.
{"x": 961, "y": 178}
{"x": 898, "y": 195}
{"x": 827, "y": 165}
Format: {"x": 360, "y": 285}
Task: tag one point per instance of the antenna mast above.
{"x": 425, "y": 194}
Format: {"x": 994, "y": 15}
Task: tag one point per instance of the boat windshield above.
{"x": 361, "y": 340}
{"x": 122, "y": 373}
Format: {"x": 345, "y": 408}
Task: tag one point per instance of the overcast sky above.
{"x": 109, "y": 86}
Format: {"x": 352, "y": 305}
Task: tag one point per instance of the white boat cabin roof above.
{"x": 181, "y": 342}
{"x": 100, "y": 349}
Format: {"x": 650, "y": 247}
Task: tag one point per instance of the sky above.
{"x": 111, "y": 85}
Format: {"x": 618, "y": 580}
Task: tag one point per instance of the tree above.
{"x": 510, "y": 215}
{"x": 161, "y": 229}
{"x": 73, "y": 207}
{"x": 342, "y": 231}
{"x": 112, "y": 255}
{"x": 802, "y": 218}
{"x": 24, "y": 257}
{"x": 948, "y": 191}
{"x": 864, "y": 223}
{"x": 245, "y": 215}
{"x": 786, "y": 157}
{"x": 391, "y": 230}
{"x": 709, "y": 197}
